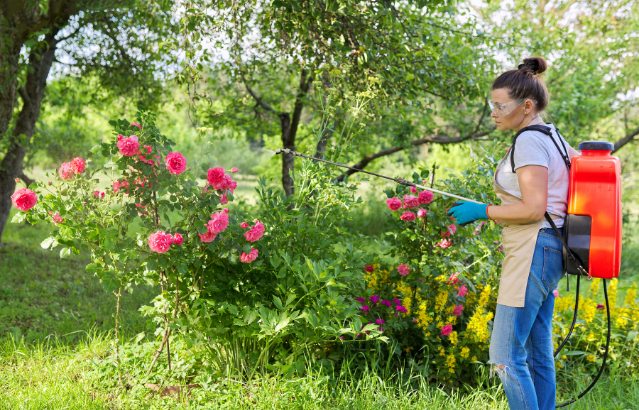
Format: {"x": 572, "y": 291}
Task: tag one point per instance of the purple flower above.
{"x": 600, "y": 306}
{"x": 374, "y": 299}
{"x": 380, "y": 329}
{"x": 387, "y": 303}
{"x": 365, "y": 308}
{"x": 380, "y": 321}
{"x": 401, "y": 309}
{"x": 397, "y": 301}
{"x": 361, "y": 300}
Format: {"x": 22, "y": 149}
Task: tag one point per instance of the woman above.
{"x": 521, "y": 347}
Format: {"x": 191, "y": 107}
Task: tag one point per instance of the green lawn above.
{"x": 56, "y": 353}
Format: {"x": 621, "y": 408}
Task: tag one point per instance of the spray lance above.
{"x": 592, "y": 229}
{"x": 397, "y": 180}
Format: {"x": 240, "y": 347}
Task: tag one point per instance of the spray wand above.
{"x": 397, "y": 180}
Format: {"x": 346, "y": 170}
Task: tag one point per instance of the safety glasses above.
{"x": 503, "y": 109}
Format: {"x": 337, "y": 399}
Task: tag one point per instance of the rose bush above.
{"x": 278, "y": 280}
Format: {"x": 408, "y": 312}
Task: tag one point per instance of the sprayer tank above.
{"x": 594, "y": 222}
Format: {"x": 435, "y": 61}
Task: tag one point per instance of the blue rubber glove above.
{"x": 466, "y": 212}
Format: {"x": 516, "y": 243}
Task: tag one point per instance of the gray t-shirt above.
{"x": 536, "y": 148}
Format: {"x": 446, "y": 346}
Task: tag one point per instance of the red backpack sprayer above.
{"x": 592, "y": 229}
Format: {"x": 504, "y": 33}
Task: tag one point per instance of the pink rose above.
{"x": 446, "y": 330}
{"x": 96, "y": 194}
{"x": 223, "y": 199}
{"x": 394, "y": 203}
{"x": 142, "y": 156}
{"x": 462, "y": 291}
{"x": 244, "y": 225}
{"x": 78, "y": 165}
{"x": 24, "y": 199}
{"x": 458, "y": 310}
{"x": 208, "y": 236}
{"x": 255, "y": 233}
{"x": 403, "y": 270}
{"x": 128, "y": 147}
{"x": 219, "y": 221}
{"x": 117, "y": 185}
{"x": 226, "y": 210}
{"x": 233, "y": 186}
{"x": 369, "y": 268}
{"x": 160, "y": 242}
{"x": 451, "y": 229}
{"x": 215, "y": 176}
{"x": 407, "y": 216}
{"x": 421, "y": 213}
{"x": 57, "y": 219}
{"x": 600, "y": 306}
{"x": 248, "y": 258}
{"x": 444, "y": 243}
{"x": 413, "y": 190}
{"x": 136, "y": 125}
{"x": 425, "y": 197}
{"x": 66, "y": 170}
{"x": 143, "y": 207}
{"x": 556, "y": 293}
{"x": 175, "y": 162}
{"x": 177, "y": 239}
{"x": 453, "y": 279}
{"x": 234, "y": 169}
{"x": 225, "y": 183}
{"x": 410, "y": 201}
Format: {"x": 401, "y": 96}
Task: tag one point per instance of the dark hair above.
{"x": 524, "y": 82}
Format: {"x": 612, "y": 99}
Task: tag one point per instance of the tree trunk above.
{"x": 288, "y": 160}
{"x": 9, "y": 63}
{"x": 40, "y": 61}
{"x": 289, "y": 131}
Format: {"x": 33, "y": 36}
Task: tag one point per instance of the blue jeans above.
{"x": 521, "y": 349}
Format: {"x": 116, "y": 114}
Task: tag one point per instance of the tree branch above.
{"x": 436, "y": 139}
{"x": 629, "y": 137}
{"x": 258, "y": 100}
{"x": 25, "y": 96}
{"x": 25, "y": 178}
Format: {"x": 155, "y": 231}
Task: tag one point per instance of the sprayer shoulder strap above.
{"x": 545, "y": 130}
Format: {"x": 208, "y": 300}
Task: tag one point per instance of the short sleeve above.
{"x": 530, "y": 150}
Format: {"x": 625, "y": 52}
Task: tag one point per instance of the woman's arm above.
{"x": 533, "y": 183}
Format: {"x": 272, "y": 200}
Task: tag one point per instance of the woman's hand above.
{"x": 466, "y": 212}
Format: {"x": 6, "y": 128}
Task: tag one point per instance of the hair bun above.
{"x": 535, "y": 65}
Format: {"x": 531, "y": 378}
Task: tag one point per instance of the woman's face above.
{"x": 517, "y": 111}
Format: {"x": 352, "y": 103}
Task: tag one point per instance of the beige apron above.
{"x": 519, "y": 241}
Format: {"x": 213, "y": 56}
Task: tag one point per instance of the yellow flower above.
{"x": 464, "y": 353}
{"x": 478, "y": 323}
{"x": 564, "y": 303}
{"x": 423, "y": 319}
{"x": 453, "y": 338}
{"x": 589, "y": 309}
{"x": 440, "y": 300}
{"x": 591, "y": 358}
{"x": 612, "y": 295}
{"x": 474, "y": 358}
{"x": 594, "y": 287}
{"x": 450, "y": 362}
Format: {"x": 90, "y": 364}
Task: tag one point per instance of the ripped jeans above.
{"x": 521, "y": 348}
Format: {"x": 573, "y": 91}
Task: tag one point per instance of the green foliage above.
{"x": 445, "y": 262}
